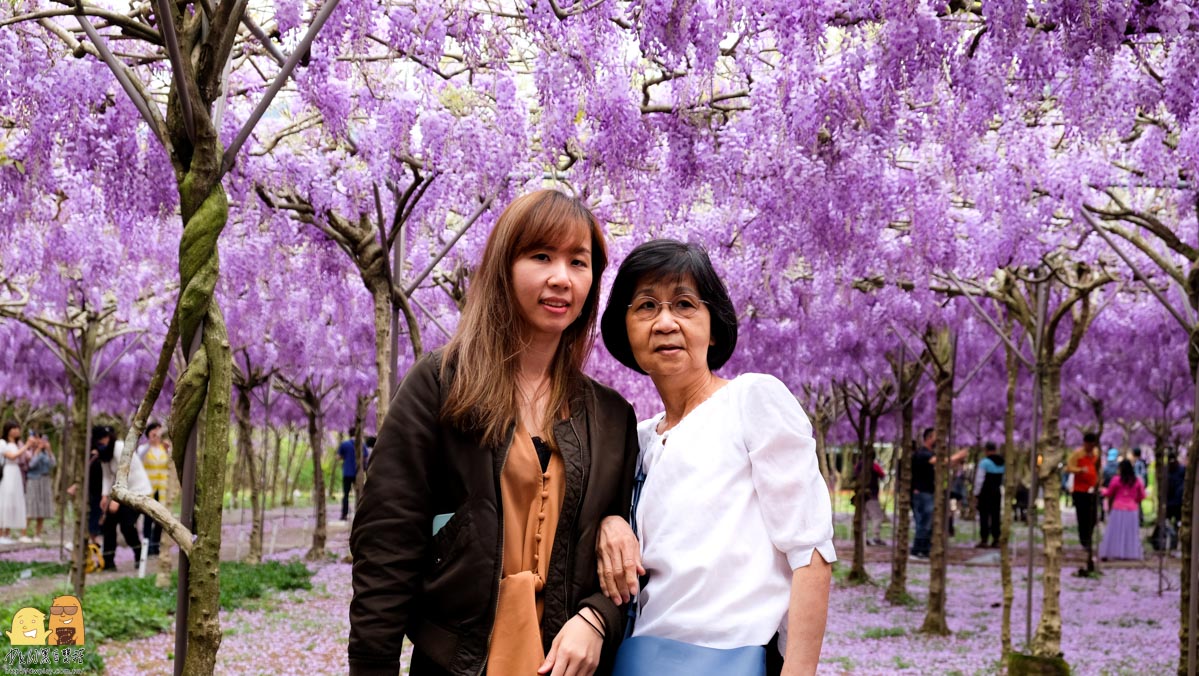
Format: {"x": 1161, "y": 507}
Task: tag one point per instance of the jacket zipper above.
{"x": 570, "y": 559}
{"x": 499, "y": 571}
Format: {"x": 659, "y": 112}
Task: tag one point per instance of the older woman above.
{"x": 734, "y": 521}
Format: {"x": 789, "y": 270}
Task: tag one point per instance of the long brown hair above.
{"x": 483, "y": 352}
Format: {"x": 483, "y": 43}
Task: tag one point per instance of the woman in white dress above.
{"x": 12, "y": 487}
{"x": 733, "y": 521}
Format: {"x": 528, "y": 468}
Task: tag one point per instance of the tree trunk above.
{"x": 81, "y": 452}
{"x": 288, "y": 484}
{"x": 897, "y": 590}
{"x": 1009, "y": 493}
{"x": 245, "y": 449}
{"x": 1184, "y": 541}
{"x": 381, "y": 298}
{"x": 1048, "y": 640}
{"x": 1161, "y": 485}
{"x": 857, "y": 572}
{"x": 237, "y": 476}
{"x": 359, "y": 448}
{"x": 275, "y": 462}
{"x": 942, "y": 347}
{"x": 208, "y": 376}
{"x": 821, "y": 457}
{"x": 316, "y": 434}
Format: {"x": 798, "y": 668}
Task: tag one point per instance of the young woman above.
{"x": 12, "y": 486}
{"x": 475, "y": 537}
{"x": 39, "y": 493}
{"x": 1122, "y": 538}
{"x": 733, "y": 521}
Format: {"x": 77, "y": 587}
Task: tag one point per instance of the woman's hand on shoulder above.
{"x": 577, "y": 647}
{"x": 618, "y": 560}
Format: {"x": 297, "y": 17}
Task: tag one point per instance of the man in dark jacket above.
{"x": 1176, "y": 481}
{"x": 923, "y": 492}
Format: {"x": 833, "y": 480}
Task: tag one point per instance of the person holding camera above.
{"x": 39, "y": 491}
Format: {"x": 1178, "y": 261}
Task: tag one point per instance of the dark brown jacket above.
{"x": 440, "y": 590}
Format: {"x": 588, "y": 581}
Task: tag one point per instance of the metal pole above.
{"x": 1193, "y": 605}
{"x": 82, "y": 537}
{"x": 277, "y": 83}
{"x": 187, "y": 517}
{"x": 1042, "y": 300}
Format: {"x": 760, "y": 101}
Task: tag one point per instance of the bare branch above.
{"x": 136, "y": 92}
{"x": 125, "y": 23}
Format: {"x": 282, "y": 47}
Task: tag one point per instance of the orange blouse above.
{"x": 532, "y": 501}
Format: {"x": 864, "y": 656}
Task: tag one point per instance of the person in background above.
{"x": 1176, "y": 474}
{"x": 117, "y": 515}
{"x": 923, "y": 490}
{"x": 957, "y": 485}
{"x": 1086, "y": 465}
{"x": 1021, "y": 503}
{"x": 874, "y": 508}
{"x": 1141, "y": 469}
{"x": 156, "y": 459}
{"x": 1122, "y": 538}
{"x": 39, "y": 493}
{"x": 1111, "y": 465}
{"x": 12, "y": 487}
{"x": 349, "y": 470}
{"x": 988, "y": 489}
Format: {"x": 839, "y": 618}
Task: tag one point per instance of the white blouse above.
{"x": 732, "y": 504}
{"x": 139, "y": 481}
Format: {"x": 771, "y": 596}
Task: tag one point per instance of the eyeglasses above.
{"x": 683, "y": 305}
{"x": 63, "y": 610}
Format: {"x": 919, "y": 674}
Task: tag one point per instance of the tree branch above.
{"x": 136, "y": 92}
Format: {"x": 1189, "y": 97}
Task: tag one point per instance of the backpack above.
{"x": 1110, "y": 470}
{"x": 93, "y": 560}
{"x": 1165, "y": 539}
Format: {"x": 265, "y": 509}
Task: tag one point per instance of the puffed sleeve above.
{"x": 782, "y": 457}
{"x": 394, "y": 523}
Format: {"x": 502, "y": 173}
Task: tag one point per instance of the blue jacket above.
{"x": 41, "y": 465}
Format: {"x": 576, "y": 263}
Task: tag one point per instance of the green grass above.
{"x": 844, "y": 662}
{"x": 130, "y": 608}
{"x": 884, "y": 632}
{"x": 10, "y": 571}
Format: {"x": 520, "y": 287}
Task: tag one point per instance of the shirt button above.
{"x": 538, "y": 538}
{"x": 545, "y": 494}
{"x": 541, "y": 516}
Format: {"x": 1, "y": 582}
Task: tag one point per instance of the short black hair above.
{"x": 1136, "y": 452}
{"x": 928, "y": 431}
{"x": 668, "y": 260}
{"x": 151, "y": 427}
{"x": 990, "y": 446}
{"x": 1090, "y": 438}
